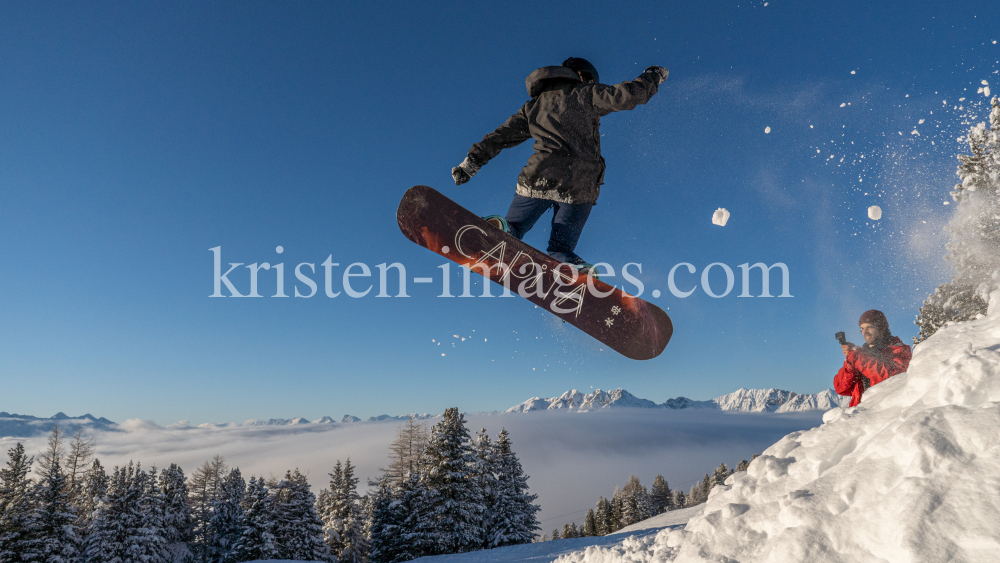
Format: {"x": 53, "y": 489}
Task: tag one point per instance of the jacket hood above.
{"x": 538, "y": 80}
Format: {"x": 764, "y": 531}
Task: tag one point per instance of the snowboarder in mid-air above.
{"x": 567, "y": 170}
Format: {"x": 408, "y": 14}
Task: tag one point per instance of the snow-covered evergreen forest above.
{"x": 974, "y": 233}
{"x": 634, "y": 503}
{"x": 443, "y": 492}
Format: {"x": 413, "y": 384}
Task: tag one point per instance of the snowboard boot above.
{"x": 497, "y": 222}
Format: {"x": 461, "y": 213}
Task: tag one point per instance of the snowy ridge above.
{"x": 776, "y": 400}
{"x": 909, "y": 475}
{"x": 575, "y": 400}
{"x": 329, "y": 420}
{"x": 26, "y": 425}
{"x": 824, "y": 400}
{"x": 741, "y": 400}
{"x": 285, "y": 421}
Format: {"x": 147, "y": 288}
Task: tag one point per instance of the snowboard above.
{"x": 631, "y": 326}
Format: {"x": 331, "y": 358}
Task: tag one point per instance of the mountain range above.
{"x": 741, "y": 400}
{"x": 27, "y": 425}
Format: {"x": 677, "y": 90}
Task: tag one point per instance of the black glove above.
{"x": 464, "y": 171}
{"x": 460, "y": 176}
{"x": 660, "y": 72}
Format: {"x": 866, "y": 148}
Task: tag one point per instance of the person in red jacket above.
{"x": 881, "y": 357}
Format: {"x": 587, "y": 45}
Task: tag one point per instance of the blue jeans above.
{"x": 568, "y": 220}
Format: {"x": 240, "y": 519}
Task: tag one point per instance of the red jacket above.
{"x": 868, "y": 365}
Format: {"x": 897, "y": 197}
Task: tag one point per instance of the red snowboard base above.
{"x": 635, "y": 328}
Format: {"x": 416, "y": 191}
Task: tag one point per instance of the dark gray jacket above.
{"x": 564, "y": 118}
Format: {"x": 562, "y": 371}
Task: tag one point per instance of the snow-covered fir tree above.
{"x": 602, "y": 514}
{"x": 590, "y": 524}
{"x": 555, "y": 535}
{"x": 974, "y": 233}
{"x": 388, "y": 535}
{"x": 15, "y": 506}
{"x": 952, "y": 301}
{"x": 680, "y": 499}
{"x": 257, "y": 538}
{"x": 636, "y": 505}
{"x": 176, "y": 513}
{"x": 149, "y": 543}
{"x": 512, "y": 514}
{"x": 699, "y": 491}
{"x": 54, "y": 537}
{"x": 339, "y": 507}
{"x": 92, "y": 489}
{"x": 118, "y": 531}
{"x": 298, "y": 531}
{"x": 694, "y": 496}
{"x": 661, "y": 497}
{"x": 228, "y": 518}
{"x": 486, "y": 479}
{"x": 617, "y": 511}
{"x": 451, "y": 509}
{"x": 720, "y": 475}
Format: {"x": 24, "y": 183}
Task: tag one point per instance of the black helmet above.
{"x": 584, "y": 67}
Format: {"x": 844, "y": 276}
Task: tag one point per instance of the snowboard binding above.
{"x": 497, "y": 222}
{"x": 586, "y": 269}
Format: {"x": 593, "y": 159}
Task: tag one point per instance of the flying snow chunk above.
{"x": 720, "y": 217}
{"x": 852, "y": 72}
{"x": 767, "y": 130}
{"x": 985, "y": 83}
{"x": 986, "y": 91}
{"x": 843, "y": 104}
{"x": 874, "y": 213}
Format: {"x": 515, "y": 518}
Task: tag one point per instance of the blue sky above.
{"x": 135, "y": 137}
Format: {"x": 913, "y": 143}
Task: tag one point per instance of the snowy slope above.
{"x": 544, "y": 552}
{"x": 909, "y": 475}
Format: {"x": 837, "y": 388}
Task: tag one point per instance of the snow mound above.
{"x": 909, "y": 475}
